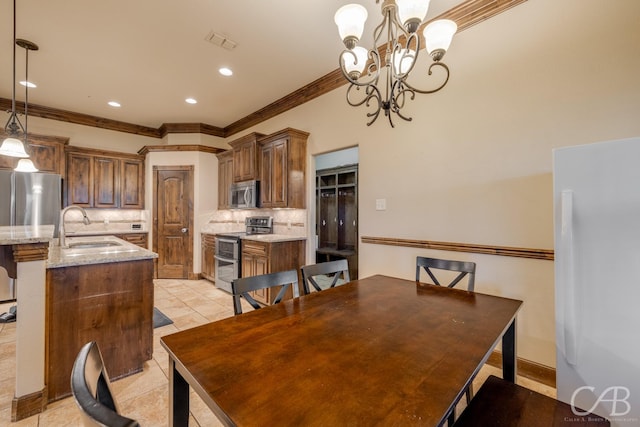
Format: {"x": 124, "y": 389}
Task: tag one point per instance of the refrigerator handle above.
{"x": 568, "y": 277}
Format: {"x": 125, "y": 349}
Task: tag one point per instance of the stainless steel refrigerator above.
{"x": 27, "y": 199}
{"x": 597, "y": 278}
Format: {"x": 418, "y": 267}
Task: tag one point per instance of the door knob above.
{"x": 184, "y": 230}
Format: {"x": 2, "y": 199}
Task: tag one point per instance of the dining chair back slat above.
{"x": 240, "y": 288}
{"x": 92, "y": 391}
{"x": 339, "y": 268}
{"x": 465, "y": 268}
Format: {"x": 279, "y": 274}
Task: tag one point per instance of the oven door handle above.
{"x": 222, "y": 239}
{"x": 219, "y": 258}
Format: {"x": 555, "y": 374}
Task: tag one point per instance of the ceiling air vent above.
{"x": 220, "y": 40}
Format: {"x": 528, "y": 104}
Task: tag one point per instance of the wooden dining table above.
{"x": 375, "y": 351}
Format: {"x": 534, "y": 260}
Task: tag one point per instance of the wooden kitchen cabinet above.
{"x": 132, "y": 183}
{"x": 140, "y": 239}
{"x": 283, "y": 159}
{"x": 245, "y": 157}
{"x": 79, "y": 177}
{"x": 104, "y": 179}
{"x": 208, "y": 256}
{"x": 46, "y": 153}
{"x": 225, "y": 178}
{"x": 270, "y": 257}
{"x": 111, "y": 303}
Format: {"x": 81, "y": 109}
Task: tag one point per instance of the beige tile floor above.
{"x": 144, "y": 396}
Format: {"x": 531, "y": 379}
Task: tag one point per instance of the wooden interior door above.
{"x": 173, "y": 221}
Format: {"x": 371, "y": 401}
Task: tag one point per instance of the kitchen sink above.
{"x": 97, "y": 244}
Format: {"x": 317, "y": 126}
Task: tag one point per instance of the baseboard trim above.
{"x": 528, "y": 369}
{"x": 25, "y": 406}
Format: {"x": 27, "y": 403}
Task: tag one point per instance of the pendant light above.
{"x": 12, "y": 146}
{"x": 26, "y": 165}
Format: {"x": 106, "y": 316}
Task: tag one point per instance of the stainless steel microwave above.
{"x": 245, "y": 195}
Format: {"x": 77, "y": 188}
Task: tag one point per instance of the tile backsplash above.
{"x": 291, "y": 222}
{"x": 107, "y": 220}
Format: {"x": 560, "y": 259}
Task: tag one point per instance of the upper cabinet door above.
{"x": 132, "y": 184}
{"x": 106, "y": 171}
{"x": 79, "y": 180}
{"x": 46, "y": 153}
{"x": 225, "y": 178}
{"x": 283, "y": 165}
{"x": 245, "y": 157}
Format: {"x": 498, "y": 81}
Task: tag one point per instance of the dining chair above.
{"x": 283, "y": 279}
{"x": 463, "y": 267}
{"x": 92, "y": 392}
{"x": 339, "y": 268}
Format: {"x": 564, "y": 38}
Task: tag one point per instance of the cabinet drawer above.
{"x": 139, "y": 239}
{"x": 209, "y": 239}
{"x": 257, "y": 248}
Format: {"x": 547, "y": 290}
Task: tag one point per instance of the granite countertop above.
{"x": 109, "y": 249}
{"x": 19, "y": 234}
{"x": 271, "y": 238}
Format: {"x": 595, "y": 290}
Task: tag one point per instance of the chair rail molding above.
{"x": 542, "y": 254}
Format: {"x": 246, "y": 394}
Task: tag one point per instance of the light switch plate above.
{"x": 381, "y": 204}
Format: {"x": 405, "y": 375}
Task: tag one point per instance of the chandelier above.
{"x": 12, "y": 146}
{"x": 379, "y": 76}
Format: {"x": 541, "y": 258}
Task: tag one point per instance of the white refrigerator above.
{"x": 597, "y": 278}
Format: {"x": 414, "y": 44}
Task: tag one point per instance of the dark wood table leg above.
{"x": 509, "y": 368}
{"x": 178, "y": 397}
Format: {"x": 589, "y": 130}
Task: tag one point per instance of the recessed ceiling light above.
{"x": 114, "y": 104}
{"x": 28, "y": 84}
{"x": 191, "y": 101}
{"x": 225, "y": 71}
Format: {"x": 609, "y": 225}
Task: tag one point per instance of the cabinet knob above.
{"x": 184, "y": 230}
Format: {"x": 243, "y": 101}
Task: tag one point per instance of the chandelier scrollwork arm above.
{"x": 364, "y": 67}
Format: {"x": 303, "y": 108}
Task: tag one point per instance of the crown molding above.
{"x": 466, "y": 14}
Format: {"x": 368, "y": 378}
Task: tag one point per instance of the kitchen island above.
{"x": 99, "y": 289}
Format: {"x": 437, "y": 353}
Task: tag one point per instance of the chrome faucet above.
{"x": 61, "y": 232}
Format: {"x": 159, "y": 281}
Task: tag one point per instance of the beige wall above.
{"x": 205, "y": 177}
{"x": 475, "y": 164}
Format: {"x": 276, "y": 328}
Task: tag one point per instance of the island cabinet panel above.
{"x": 270, "y": 257}
{"x": 111, "y": 304}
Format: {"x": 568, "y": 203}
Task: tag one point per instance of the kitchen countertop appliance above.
{"x": 597, "y": 272}
{"x": 228, "y": 258}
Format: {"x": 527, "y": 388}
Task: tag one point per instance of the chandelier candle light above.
{"x": 400, "y": 24}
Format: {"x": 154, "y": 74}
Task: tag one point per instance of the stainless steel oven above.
{"x": 227, "y": 259}
{"x": 229, "y": 250}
